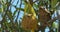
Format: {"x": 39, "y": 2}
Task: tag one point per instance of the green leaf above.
{"x": 55, "y": 25}
{"x": 53, "y": 3}
{"x": 1, "y": 9}
{"x": 35, "y": 5}
{"x": 20, "y": 9}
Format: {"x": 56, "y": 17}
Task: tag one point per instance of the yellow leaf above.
{"x": 25, "y": 9}
{"x": 30, "y": 9}
{"x": 32, "y": 30}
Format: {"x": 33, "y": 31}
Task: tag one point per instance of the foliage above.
{"x": 11, "y": 21}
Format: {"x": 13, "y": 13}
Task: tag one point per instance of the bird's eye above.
{"x": 43, "y": 8}
{"x": 28, "y": 16}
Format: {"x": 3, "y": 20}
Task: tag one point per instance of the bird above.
{"x": 44, "y": 15}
